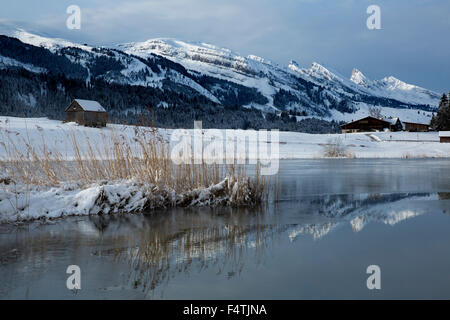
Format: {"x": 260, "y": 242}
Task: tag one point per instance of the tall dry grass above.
{"x": 143, "y": 158}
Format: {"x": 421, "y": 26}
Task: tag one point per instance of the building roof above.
{"x": 418, "y": 122}
{"x": 90, "y": 105}
{"x": 369, "y": 117}
{"x": 444, "y": 134}
{"x": 392, "y": 120}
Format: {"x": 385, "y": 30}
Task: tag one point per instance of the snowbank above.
{"x": 29, "y": 203}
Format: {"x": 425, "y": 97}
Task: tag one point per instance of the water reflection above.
{"x": 151, "y": 250}
{"x": 360, "y": 209}
{"x": 228, "y": 239}
{"x": 175, "y": 242}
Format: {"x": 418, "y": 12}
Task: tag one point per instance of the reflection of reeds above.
{"x": 154, "y": 257}
{"x": 150, "y": 250}
{"x": 143, "y": 158}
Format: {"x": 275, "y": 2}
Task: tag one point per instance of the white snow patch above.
{"x": 9, "y": 62}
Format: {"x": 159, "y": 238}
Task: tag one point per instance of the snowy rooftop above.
{"x": 392, "y": 120}
{"x": 444, "y": 133}
{"x": 90, "y": 105}
{"x": 419, "y": 122}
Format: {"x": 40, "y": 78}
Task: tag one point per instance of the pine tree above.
{"x": 433, "y": 121}
{"x": 442, "y": 120}
{"x": 444, "y": 101}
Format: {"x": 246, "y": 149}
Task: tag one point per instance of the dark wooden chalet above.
{"x": 444, "y": 136}
{"x": 87, "y": 113}
{"x": 416, "y": 127}
{"x": 366, "y": 124}
{"x": 396, "y": 124}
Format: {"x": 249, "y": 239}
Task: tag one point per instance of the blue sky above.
{"x": 412, "y": 45}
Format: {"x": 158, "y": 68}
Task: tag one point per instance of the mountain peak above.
{"x": 37, "y": 40}
{"x": 293, "y": 63}
{"x": 259, "y": 59}
{"x": 395, "y": 83}
{"x": 359, "y": 78}
{"x": 317, "y": 66}
{"x": 319, "y": 70}
{"x": 392, "y": 79}
{"x": 294, "y": 66}
{"x": 171, "y": 47}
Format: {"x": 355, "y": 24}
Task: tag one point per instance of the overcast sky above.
{"x": 413, "y": 44}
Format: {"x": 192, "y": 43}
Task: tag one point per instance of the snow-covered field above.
{"x": 23, "y": 202}
{"x": 292, "y": 145}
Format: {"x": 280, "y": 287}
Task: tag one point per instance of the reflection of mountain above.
{"x": 316, "y": 230}
{"x": 360, "y": 210}
{"x": 334, "y": 206}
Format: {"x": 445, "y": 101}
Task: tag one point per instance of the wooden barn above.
{"x": 366, "y": 124}
{"x": 416, "y": 127}
{"x": 87, "y": 113}
{"x": 396, "y": 124}
{"x": 444, "y": 136}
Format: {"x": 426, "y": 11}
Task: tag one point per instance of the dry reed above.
{"x": 143, "y": 158}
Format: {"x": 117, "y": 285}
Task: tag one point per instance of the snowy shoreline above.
{"x": 27, "y": 201}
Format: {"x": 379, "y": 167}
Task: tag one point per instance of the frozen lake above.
{"x": 331, "y": 220}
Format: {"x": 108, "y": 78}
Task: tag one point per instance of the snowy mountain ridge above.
{"x": 204, "y": 56}
{"x": 227, "y": 78}
{"x": 394, "y": 88}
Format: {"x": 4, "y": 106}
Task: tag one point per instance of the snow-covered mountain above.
{"x": 224, "y": 62}
{"x": 292, "y": 88}
{"x": 122, "y": 69}
{"x": 225, "y": 77}
{"x": 395, "y": 89}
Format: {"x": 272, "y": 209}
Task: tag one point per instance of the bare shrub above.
{"x": 375, "y": 112}
{"x": 335, "y": 148}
